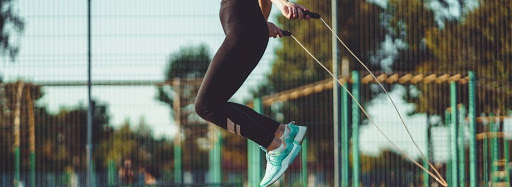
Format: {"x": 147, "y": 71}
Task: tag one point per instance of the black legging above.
{"x": 246, "y": 39}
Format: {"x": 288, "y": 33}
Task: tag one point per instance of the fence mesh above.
{"x": 148, "y": 59}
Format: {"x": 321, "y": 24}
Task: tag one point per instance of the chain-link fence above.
{"x": 446, "y": 65}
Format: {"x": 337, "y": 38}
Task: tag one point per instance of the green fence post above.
{"x": 304, "y": 159}
{"x": 111, "y": 173}
{"x": 254, "y": 154}
{"x": 16, "y": 166}
{"x": 32, "y": 169}
{"x": 494, "y": 144}
{"x": 355, "y": 129}
{"x": 462, "y": 155}
{"x": 449, "y": 164}
{"x": 485, "y": 160}
{"x": 426, "y": 176}
{"x": 177, "y": 159}
{"x": 472, "y": 129}
{"x": 345, "y": 140}
{"x": 506, "y": 158}
{"x": 215, "y": 157}
{"x": 449, "y": 178}
{"x": 506, "y": 151}
{"x": 454, "y": 132}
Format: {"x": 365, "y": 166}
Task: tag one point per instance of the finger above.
{"x": 301, "y": 15}
{"x": 279, "y": 33}
{"x": 303, "y": 8}
{"x": 290, "y": 13}
{"x": 294, "y": 13}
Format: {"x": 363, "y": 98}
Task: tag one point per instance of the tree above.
{"x": 137, "y": 145}
{"x": 11, "y": 24}
{"x": 60, "y": 138}
{"x": 188, "y": 63}
{"x": 476, "y": 41}
{"x": 8, "y": 97}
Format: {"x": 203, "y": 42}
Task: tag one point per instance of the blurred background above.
{"x": 446, "y": 64}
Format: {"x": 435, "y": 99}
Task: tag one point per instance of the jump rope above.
{"x": 437, "y": 176}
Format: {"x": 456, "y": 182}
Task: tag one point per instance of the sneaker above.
{"x": 296, "y": 133}
{"x": 277, "y": 163}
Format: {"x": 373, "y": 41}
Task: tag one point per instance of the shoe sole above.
{"x": 300, "y": 135}
{"x": 286, "y": 162}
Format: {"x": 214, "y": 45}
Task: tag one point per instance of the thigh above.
{"x": 244, "y": 45}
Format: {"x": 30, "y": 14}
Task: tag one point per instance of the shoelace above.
{"x": 272, "y": 161}
{"x": 268, "y": 154}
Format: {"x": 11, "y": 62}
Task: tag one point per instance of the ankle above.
{"x": 276, "y": 142}
{"x": 280, "y": 130}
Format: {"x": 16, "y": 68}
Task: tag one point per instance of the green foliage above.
{"x": 60, "y": 138}
{"x": 11, "y": 25}
{"x": 138, "y": 145}
{"x": 188, "y": 62}
{"x": 478, "y": 41}
{"x": 119, "y": 146}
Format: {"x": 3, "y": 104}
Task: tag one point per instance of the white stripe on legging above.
{"x": 231, "y": 126}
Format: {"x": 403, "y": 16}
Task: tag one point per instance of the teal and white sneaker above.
{"x": 277, "y": 163}
{"x": 295, "y": 132}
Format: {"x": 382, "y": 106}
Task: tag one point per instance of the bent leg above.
{"x": 245, "y": 43}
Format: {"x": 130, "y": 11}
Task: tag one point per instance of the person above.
{"x": 247, "y": 33}
{"x": 126, "y": 173}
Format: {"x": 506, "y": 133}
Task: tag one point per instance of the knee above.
{"x": 203, "y": 110}
{"x": 199, "y": 108}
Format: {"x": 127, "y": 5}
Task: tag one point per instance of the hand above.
{"x": 274, "y": 31}
{"x": 294, "y": 11}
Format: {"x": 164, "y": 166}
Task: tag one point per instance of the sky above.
{"x": 132, "y": 40}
